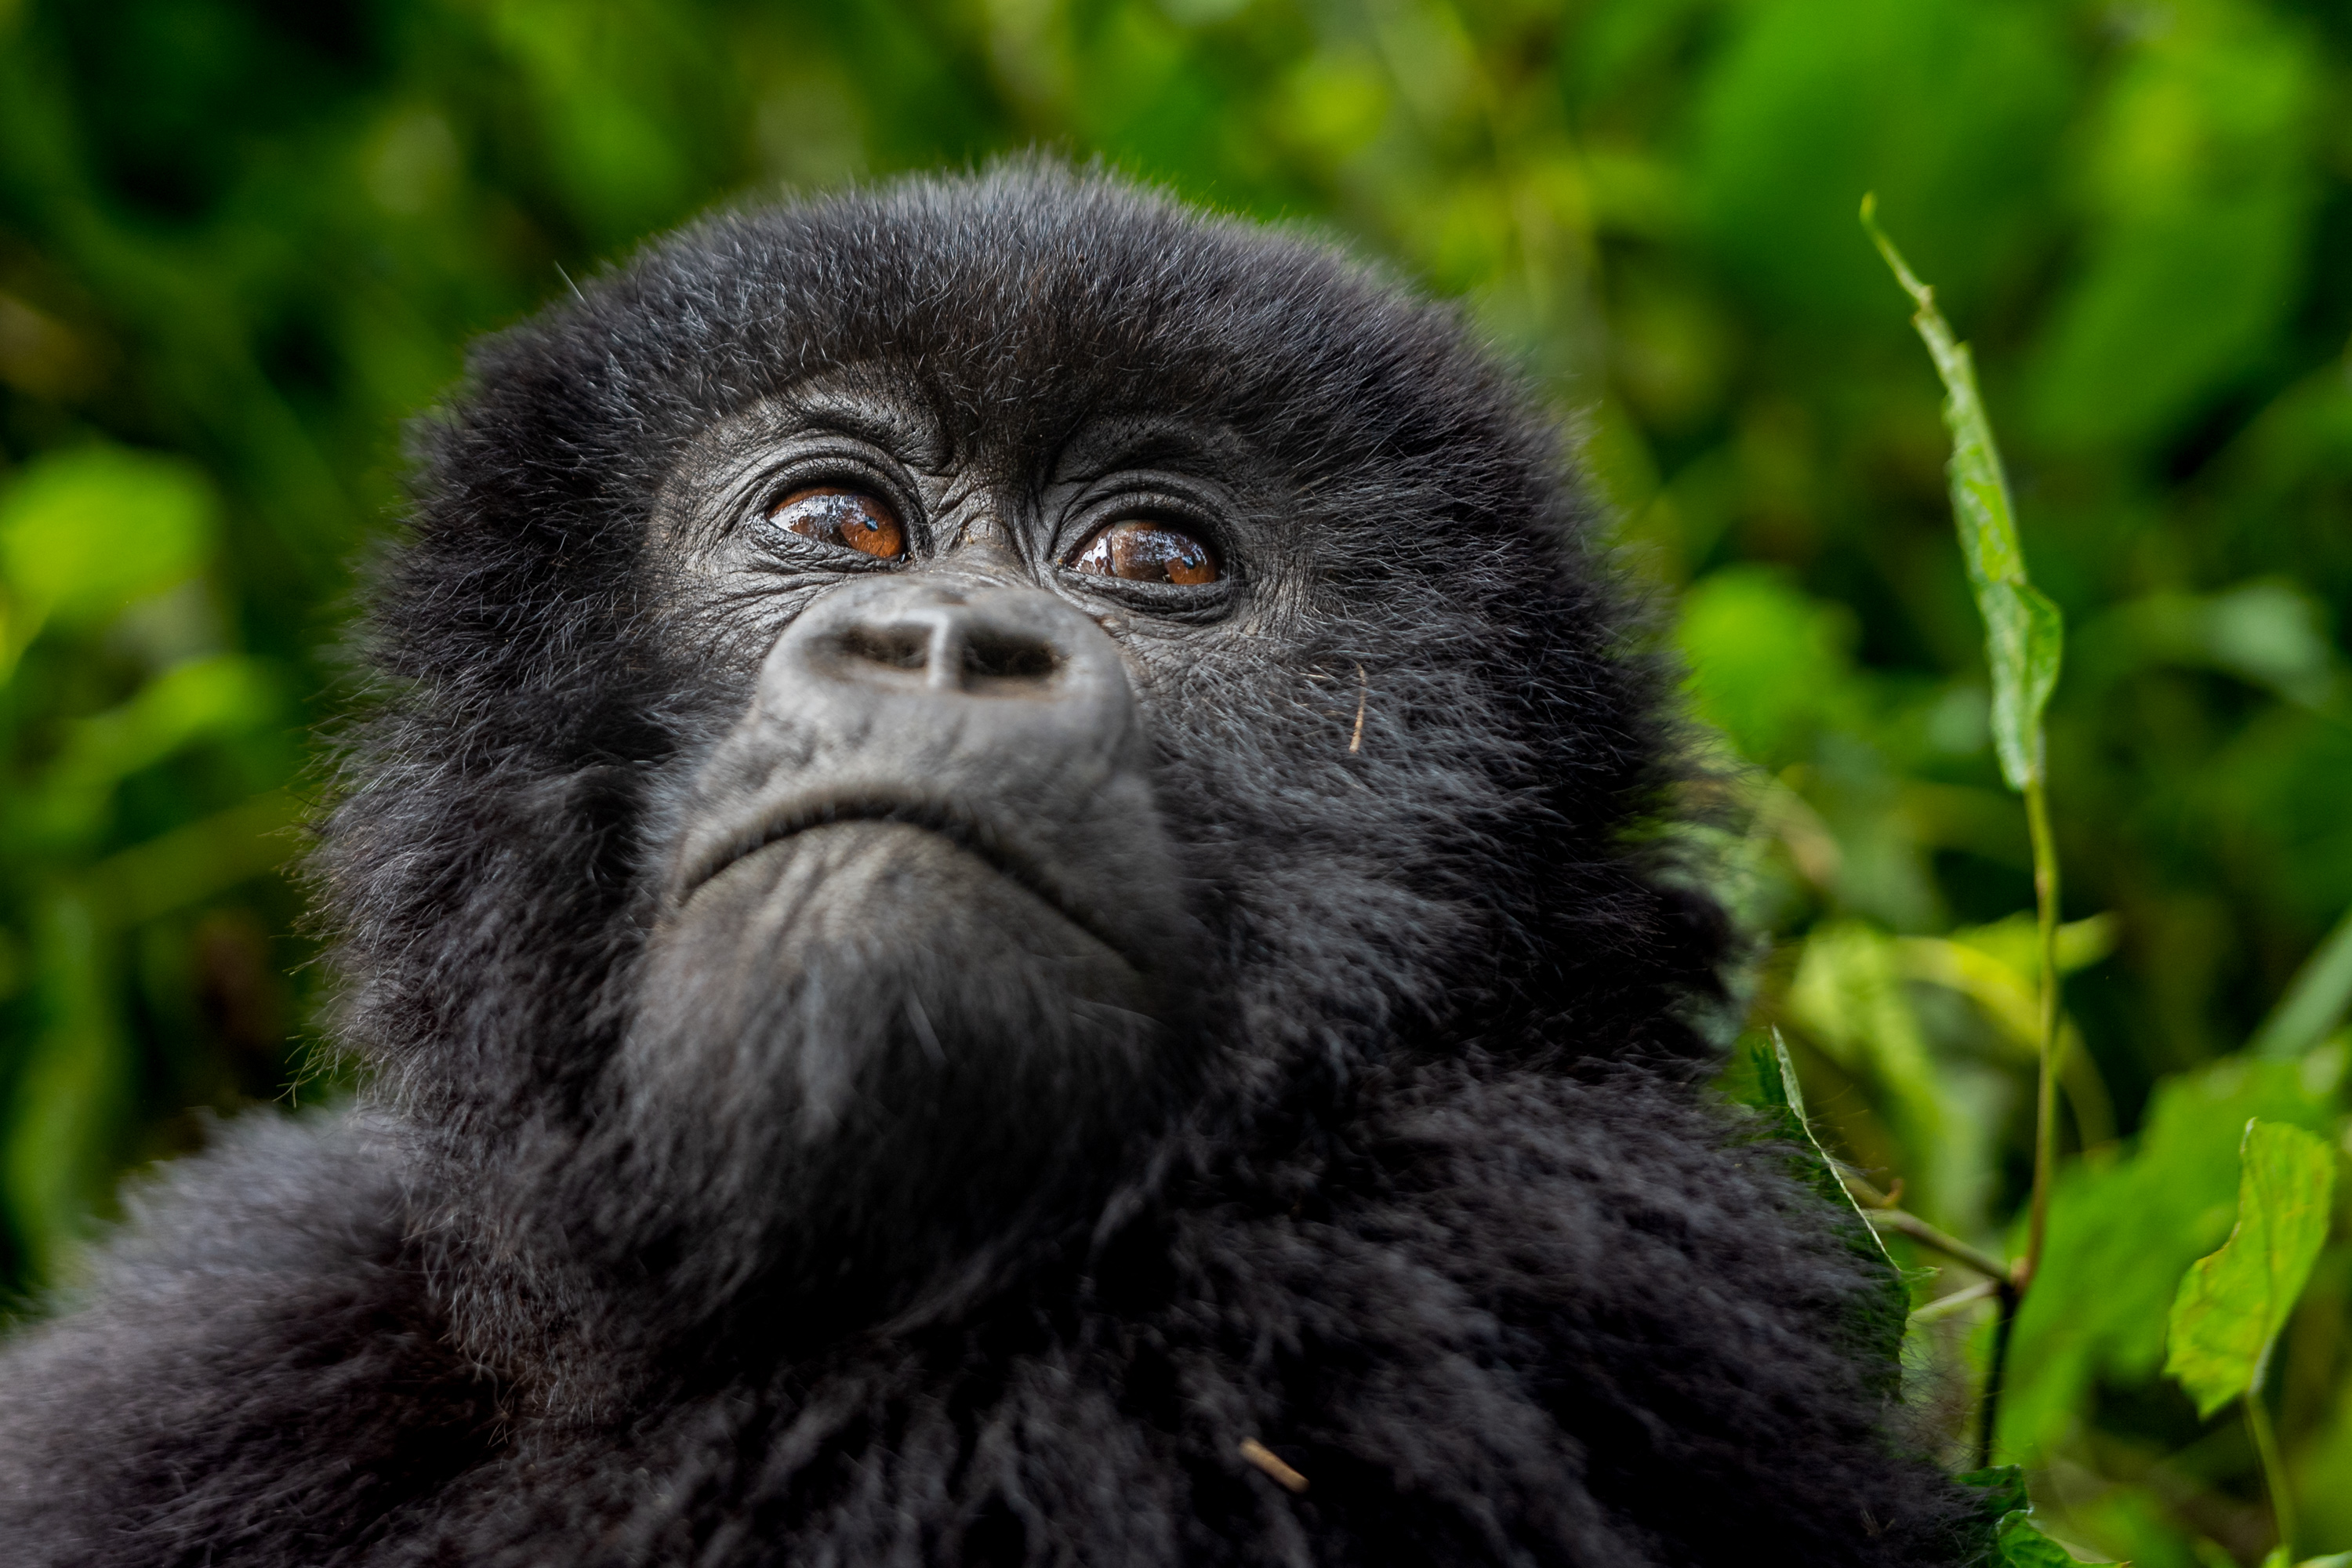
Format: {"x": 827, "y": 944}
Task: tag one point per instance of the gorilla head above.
{"x": 914, "y": 711}
{"x": 1004, "y": 895}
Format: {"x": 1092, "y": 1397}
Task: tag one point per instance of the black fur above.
{"x": 1433, "y": 1210}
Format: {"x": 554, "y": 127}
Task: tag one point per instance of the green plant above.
{"x": 2228, "y": 1310}
{"x": 2231, "y": 1306}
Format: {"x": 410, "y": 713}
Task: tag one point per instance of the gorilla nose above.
{"x": 994, "y": 714}
{"x": 904, "y": 651}
{"x": 1007, "y": 645}
{"x": 999, "y": 697}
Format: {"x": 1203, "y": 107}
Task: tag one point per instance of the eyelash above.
{"x": 857, "y": 472}
{"x": 1155, "y": 507}
{"x": 819, "y": 471}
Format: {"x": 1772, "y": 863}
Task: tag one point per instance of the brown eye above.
{"x": 847, "y": 518}
{"x": 1148, "y": 552}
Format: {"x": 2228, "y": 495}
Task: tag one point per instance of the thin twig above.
{"x": 1999, "y": 1281}
{"x": 1943, "y": 1307}
{"x": 1935, "y": 1240}
{"x": 1879, "y": 1208}
{"x": 1263, "y": 1457}
{"x": 1997, "y": 1373}
{"x": 2266, "y": 1449}
{"x": 2045, "y": 1101}
{"x": 1363, "y": 692}
{"x": 1865, "y": 1192}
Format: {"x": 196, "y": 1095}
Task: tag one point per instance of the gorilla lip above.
{"x": 965, "y": 829}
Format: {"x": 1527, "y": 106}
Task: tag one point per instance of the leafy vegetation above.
{"x": 2227, "y": 1319}
{"x": 239, "y": 243}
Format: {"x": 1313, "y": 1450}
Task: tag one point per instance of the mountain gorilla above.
{"x": 998, "y": 911}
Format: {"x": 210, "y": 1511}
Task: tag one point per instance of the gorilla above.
{"x": 1008, "y": 896}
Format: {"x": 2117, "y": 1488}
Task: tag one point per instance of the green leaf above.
{"x": 206, "y": 698}
{"x": 2200, "y": 210}
{"x": 2315, "y": 1000}
{"x": 84, "y": 533}
{"x": 2125, "y": 1224}
{"x": 2268, "y": 632}
{"x": 2233, "y": 1304}
{"x": 2023, "y": 636}
{"x": 74, "y": 1090}
{"x": 1769, "y": 667}
{"x": 1952, "y": 105}
{"x": 1849, "y": 999}
{"x": 2022, "y": 1545}
{"x": 2023, "y": 630}
{"x": 2019, "y": 1543}
{"x": 2003, "y": 1487}
{"x": 1782, "y": 1100}
{"x": 1773, "y": 1090}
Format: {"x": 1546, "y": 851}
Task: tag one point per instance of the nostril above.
{"x": 895, "y": 647}
{"x": 1003, "y": 646}
{"x": 992, "y": 653}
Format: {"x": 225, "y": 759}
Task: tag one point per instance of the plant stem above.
{"x": 1995, "y": 1374}
{"x": 2258, "y": 1420}
{"x": 2045, "y": 1101}
{"x": 1959, "y": 1301}
{"x": 1879, "y": 1208}
{"x": 2001, "y": 1281}
{"x": 1928, "y": 1236}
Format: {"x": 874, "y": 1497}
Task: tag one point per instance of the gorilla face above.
{"x": 922, "y": 714}
{"x": 920, "y": 903}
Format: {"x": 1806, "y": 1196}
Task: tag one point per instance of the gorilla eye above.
{"x": 850, "y": 518}
{"x": 1144, "y": 552}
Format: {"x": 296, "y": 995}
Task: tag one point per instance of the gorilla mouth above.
{"x": 967, "y": 830}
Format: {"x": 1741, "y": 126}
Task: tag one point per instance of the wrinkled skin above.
{"x": 891, "y": 1042}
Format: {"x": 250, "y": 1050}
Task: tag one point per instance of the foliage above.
{"x": 2023, "y": 1544}
{"x": 2022, "y": 627}
{"x": 1765, "y": 1078}
{"x": 239, "y": 243}
{"x": 2231, "y": 1306}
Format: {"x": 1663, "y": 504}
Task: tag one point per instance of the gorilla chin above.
{"x": 862, "y": 1115}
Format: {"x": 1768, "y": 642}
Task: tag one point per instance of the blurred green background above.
{"x": 240, "y": 242}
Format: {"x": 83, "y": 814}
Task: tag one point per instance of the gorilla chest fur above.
{"x": 1005, "y": 898}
